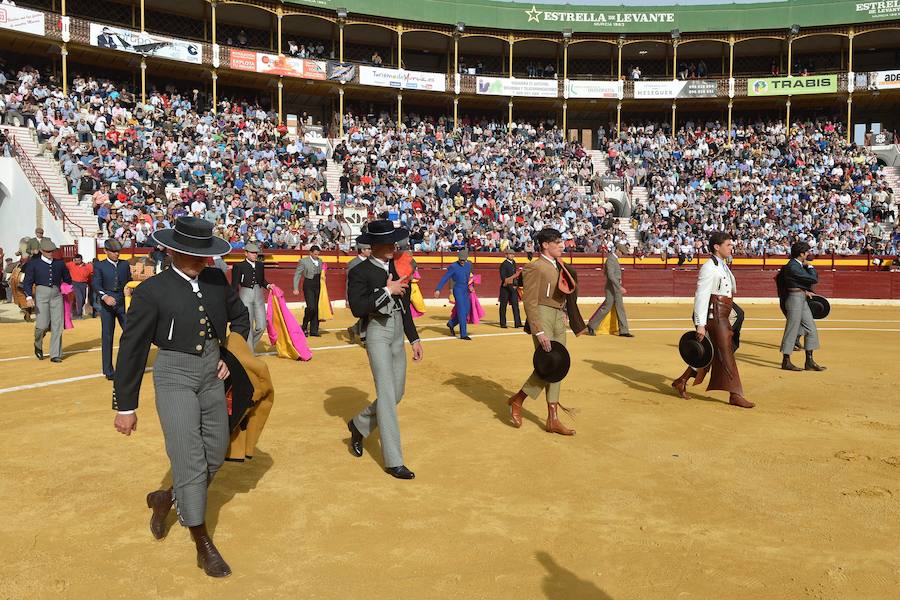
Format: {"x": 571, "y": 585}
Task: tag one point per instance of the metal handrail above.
{"x": 38, "y": 182}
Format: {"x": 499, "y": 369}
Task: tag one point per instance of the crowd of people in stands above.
{"x": 487, "y": 187}
{"x": 769, "y": 188}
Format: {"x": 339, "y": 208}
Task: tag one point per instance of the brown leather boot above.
{"x": 738, "y": 400}
{"x": 787, "y": 365}
{"x": 811, "y": 364}
{"x": 553, "y": 423}
{"x": 160, "y": 502}
{"x": 208, "y": 557}
{"x": 515, "y": 408}
{"x": 680, "y": 384}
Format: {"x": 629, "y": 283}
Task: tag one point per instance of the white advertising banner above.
{"x": 657, "y": 89}
{"x": 594, "y": 89}
{"x": 884, "y": 80}
{"x": 402, "y": 79}
{"x": 510, "y": 86}
{"x": 146, "y": 44}
{"x": 21, "y": 19}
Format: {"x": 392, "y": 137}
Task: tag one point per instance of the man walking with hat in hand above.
{"x": 379, "y": 297}
{"x": 184, "y": 310}
{"x": 109, "y": 279}
{"x": 545, "y": 305}
{"x": 458, "y": 273}
{"x": 248, "y": 278}
{"x": 43, "y": 276}
{"x": 797, "y": 278}
{"x": 713, "y": 308}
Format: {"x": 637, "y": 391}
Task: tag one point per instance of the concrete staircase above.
{"x": 333, "y": 177}
{"x": 628, "y": 230}
{"x": 639, "y": 196}
{"x": 51, "y": 172}
{"x": 892, "y": 176}
{"x": 599, "y": 161}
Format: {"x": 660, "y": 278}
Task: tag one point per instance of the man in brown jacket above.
{"x": 545, "y": 306}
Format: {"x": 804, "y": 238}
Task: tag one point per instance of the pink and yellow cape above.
{"x": 476, "y": 311}
{"x": 284, "y": 332}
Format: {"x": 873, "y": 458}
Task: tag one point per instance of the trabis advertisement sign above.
{"x": 793, "y": 86}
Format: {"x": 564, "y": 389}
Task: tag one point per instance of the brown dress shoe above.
{"x": 515, "y": 408}
{"x": 554, "y": 425}
{"x": 738, "y": 400}
{"x": 680, "y": 384}
{"x": 161, "y": 503}
{"x": 208, "y": 557}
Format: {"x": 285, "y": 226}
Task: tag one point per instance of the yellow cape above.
{"x": 325, "y": 311}
{"x": 610, "y": 324}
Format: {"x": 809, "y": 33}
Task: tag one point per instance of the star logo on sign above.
{"x": 533, "y": 14}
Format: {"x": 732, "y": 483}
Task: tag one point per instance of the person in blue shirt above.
{"x": 458, "y": 273}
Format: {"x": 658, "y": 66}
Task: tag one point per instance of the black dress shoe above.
{"x": 590, "y": 331}
{"x": 39, "y": 353}
{"x": 626, "y": 335}
{"x": 452, "y": 331}
{"x": 465, "y": 337}
{"x": 504, "y": 327}
{"x": 356, "y": 439}
{"x": 110, "y": 377}
{"x": 315, "y": 335}
{"x": 400, "y": 472}
{"x": 56, "y": 359}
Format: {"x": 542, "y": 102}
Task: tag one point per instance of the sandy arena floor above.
{"x": 654, "y": 498}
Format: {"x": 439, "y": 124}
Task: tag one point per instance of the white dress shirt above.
{"x": 715, "y": 279}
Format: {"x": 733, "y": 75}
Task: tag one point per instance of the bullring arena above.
{"x": 675, "y": 161}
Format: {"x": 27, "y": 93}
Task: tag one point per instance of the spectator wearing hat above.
{"x": 248, "y": 278}
{"x": 797, "y": 278}
{"x": 43, "y": 276}
{"x": 109, "y": 280}
{"x": 459, "y": 273}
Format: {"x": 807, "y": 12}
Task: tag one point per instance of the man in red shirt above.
{"x": 81, "y": 273}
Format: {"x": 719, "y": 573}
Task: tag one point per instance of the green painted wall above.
{"x": 616, "y": 19}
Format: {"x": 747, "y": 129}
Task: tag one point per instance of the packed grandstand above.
{"x": 138, "y": 155}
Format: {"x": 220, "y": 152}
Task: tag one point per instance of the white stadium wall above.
{"x": 21, "y": 210}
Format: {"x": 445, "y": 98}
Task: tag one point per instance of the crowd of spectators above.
{"x": 487, "y": 186}
{"x": 769, "y": 188}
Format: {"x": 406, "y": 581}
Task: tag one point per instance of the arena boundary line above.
{"x": 43, "y": 384}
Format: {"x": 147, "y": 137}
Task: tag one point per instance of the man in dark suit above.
{"x": 309, "y": 269}
{"x": 106, "y": 40}
{"x": 796, "y": 280}
{"x": 43, "y": 276}
{"x": 379, "y": 297}
{"x": 508, "y": 292}
{"x": 248, "y": 278}
{"x": 185, "y": 311}
{"x": 110, "y": 277}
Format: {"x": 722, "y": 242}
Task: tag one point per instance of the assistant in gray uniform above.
{"x": 248, "y": 278}
{"x": 44, "y": 274}
{"x": 309, "y": 269}
{"x": 797, "y": 278}
{"x": 614, "y": 290}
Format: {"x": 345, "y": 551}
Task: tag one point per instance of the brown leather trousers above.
{"x": 725, "y": 374}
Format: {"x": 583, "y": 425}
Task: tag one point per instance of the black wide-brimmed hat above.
{"x": 554, "y": 365}
{"x": 694, "y": 352}
{"x": 192, "y": 236}
{"x": 819, "y": 306}
{"x": 382, "y": 232}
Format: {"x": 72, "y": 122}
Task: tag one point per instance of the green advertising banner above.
{"x": 793, "y": 86}
{"x": 614, "y": 18}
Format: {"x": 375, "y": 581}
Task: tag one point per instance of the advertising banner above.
{"x": 506, "y": 86}
{"x": 341, "y": 71}
{"x": 402, "y": 79}
{"x": 146, "y": 44}
{"x": 693, "y": 88}
{"x": 884, "y": 80}
{"x": 594, "y": 89}
{"x": 272, "y": 64}
{"x": 792, "y": 86}
{"x": 21, "y": 19}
